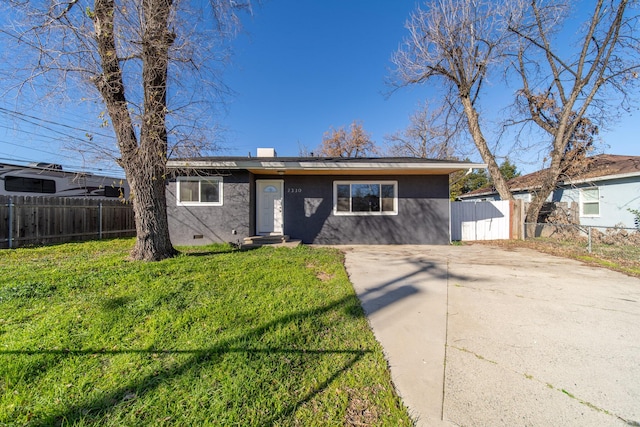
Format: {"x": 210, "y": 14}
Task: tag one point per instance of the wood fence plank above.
{"x": 50, "y": 220}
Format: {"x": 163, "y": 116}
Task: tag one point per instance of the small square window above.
{"x": 590, "y": 201}
{"x": 199, "y": 191}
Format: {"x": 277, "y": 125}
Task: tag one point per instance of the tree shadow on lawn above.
{"x": 96, "y": 409}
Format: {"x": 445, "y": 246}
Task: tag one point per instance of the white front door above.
{"x": 269, "y": 217}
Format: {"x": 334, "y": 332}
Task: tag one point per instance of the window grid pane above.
{"x": 365, "y": 197}
{"x": 387, "y": 198}
{"x": 189, "y": 191}
{"x": 591, "y": 209}
{"x": 590, "y": 194}
{"x": 209, "y": 192}
{"x": 344, "y": 198}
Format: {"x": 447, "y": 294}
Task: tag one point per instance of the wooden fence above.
{"x": 32, "y": 221}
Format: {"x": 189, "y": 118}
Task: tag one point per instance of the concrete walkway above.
{"x": 480, "y": 336}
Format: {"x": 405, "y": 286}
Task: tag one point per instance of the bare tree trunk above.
{"x": 144, "y": 163}
{"x": 481, "y": 143}
{"x": 150, "y": 210}
{"x": 153, "y": 241}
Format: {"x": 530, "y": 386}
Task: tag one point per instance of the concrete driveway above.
{"x": 480, "y": 336}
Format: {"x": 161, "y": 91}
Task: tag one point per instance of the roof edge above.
{"x": 321, "y": 165}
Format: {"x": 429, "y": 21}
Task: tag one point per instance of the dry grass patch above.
{"x": 618, "y": 256}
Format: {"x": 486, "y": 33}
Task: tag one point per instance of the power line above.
{"x": 50, "y": 136}
{"x": 24, "y": 117}
{"x": 59, "y": 154}
{"x": 35, "y": 149}
{"x": 72, "y": 137}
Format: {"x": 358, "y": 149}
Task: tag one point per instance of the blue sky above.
{"x": 300, "y": 67}
{"x": 306, "y": 66}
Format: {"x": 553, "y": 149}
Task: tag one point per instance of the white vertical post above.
{"x": 100, "y": 220}
{"x": 589, "y": 228}
{"x": 10, "y": 223}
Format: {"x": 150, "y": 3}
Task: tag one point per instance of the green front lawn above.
{"x": 212, "y": 337}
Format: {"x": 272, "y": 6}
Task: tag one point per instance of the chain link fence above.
{"x": 613, "y": 241}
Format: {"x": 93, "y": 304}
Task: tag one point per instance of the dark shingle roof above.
{"x": 598, "y": 167}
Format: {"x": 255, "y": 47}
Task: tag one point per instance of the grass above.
{"x": 211, "y": 337}
{"x": 624, "y": 258}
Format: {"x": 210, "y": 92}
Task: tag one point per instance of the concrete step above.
{"x": 265, "y": 240}
{"x": 278, "y": 241}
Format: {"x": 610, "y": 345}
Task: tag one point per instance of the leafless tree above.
{"x": 429, "y": 135}
{"x": 566, "y": 92}
{"x": 563, "y": 89}
{"x": 351, "y": 142}
{"x": 128, "y": 50}
{"x": 456, "y": 43}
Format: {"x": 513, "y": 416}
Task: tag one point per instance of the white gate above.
{"x": 480, "y": 220}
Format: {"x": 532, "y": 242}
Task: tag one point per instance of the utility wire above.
{"x": 24, "y": 117}
{"x": 35, "y": 149}
{"x": 37, "y": 122}
{"x": 72, "y": 137}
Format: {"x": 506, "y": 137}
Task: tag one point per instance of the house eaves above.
{"x": 600, "y": 178}
{"x": 324, "y": 166}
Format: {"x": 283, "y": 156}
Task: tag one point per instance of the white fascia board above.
{"x": 328, "y": 166}
{"x": 201, "y": 164}
{"x": 387, "y": 165}
{"x": 601, "y": 178}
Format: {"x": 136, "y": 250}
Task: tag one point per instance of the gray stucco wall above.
{"x": 423, "y": 212}
{"x": 201, "y": 225}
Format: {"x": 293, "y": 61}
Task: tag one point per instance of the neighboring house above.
{"x": 315, "y": 200}
{"x": 599, "y": 195}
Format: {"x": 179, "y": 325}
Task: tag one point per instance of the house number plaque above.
{"x": 294, "y": 190}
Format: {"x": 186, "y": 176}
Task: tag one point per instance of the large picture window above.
{"x": 199, "y": 191}
{"x": 590, "y": 201}
{"x": 365, "y": 197}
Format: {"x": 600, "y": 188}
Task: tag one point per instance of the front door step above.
{"x": 257, "y": 241}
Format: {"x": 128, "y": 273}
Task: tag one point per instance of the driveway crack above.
{"x": 552, "y": 387}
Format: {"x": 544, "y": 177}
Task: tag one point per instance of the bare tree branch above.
{"x": 140, "y": 56}
{"x": 461, "y": 42}
{"x": 575, "y": 84}
{"x": 429, "y": 135}
{"x": 458, "y": 43}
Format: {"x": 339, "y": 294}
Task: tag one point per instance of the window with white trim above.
{"x": 365, "y": 197}
{"x": 199, "y": 191}
{"x": 590, "y": 201}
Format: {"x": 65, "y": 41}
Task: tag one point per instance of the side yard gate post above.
{"x": 10, "y": 230}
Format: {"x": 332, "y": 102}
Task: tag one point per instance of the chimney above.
{"x": 267, "y": 152}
